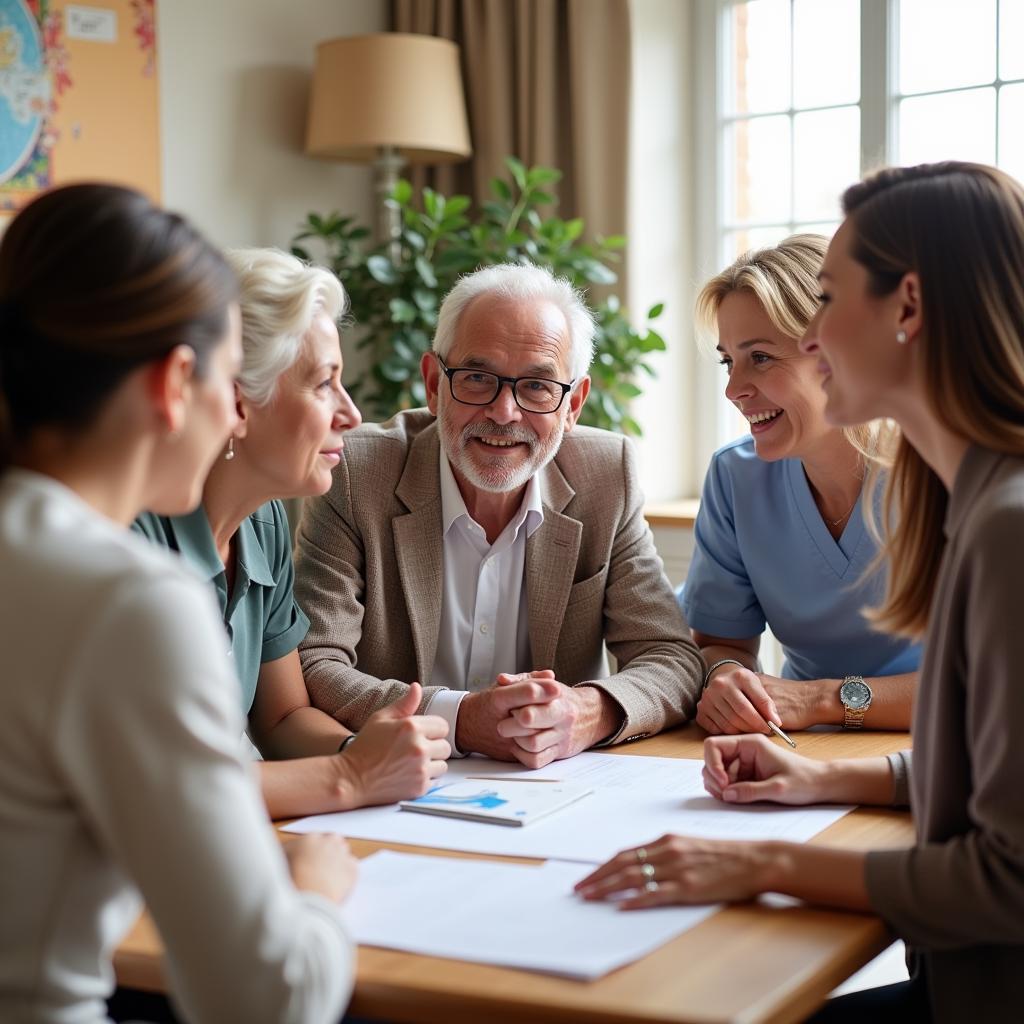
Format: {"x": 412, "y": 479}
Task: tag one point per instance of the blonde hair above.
{"x": 280, "y": 296}
{"x": 960, "y": 228}
{"x": 783, "y": 279}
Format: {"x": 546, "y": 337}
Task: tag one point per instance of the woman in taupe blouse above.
{"x": 921, "y": 323}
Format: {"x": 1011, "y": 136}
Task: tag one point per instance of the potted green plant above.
{"x": 396, "y": 289}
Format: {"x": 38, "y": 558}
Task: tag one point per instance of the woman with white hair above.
{"x": 292, "y": 412}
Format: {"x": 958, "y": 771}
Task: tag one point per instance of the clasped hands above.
{"x": 533, "y": 718}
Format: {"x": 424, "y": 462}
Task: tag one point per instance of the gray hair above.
{"x": 279, "y": 297}
{"x": 521, "y": 281}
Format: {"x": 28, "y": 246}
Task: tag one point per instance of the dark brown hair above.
{"x": 95, "y": 280}
{"x": 960, "y": 228}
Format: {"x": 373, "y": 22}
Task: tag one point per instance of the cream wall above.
{"x": 234, "y": 78}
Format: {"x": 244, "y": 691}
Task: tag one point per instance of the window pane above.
{"x": 758, "y": 44}
{"x": 827, "y": 228}
{"x": 951, "y": 126}
{"x": 745, "y": 239}
{"x": 826, "y": 53}
{"x": 1011, "y": 39}
{"x": 1011, "y": 138}
{"x": 946, "y": 43}
{"x": 758, "y": 153}
{"x": 826, "y": 154}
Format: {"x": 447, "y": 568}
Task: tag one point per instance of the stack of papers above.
{"x": 636, "y": 800}
{"x": 517, "y": 915}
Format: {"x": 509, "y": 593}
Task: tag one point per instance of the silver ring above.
{"x": 641, "y": 853}
{"x": 647, "y": 870}
{"x": 650, "y": 885}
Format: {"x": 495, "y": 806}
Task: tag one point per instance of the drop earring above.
{"x": 901, "y": 337}
{"x": 230, "y": 453}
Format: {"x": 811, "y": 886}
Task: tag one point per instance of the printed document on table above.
{"x": 519, "y": 916}
{"x": 636, "y": 800}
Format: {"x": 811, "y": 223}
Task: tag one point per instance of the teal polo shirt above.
{"x": 262, "y": 619}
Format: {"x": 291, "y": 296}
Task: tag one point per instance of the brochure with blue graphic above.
{"x": 497, "y": 802}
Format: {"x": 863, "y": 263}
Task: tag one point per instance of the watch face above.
{"x": 855, "y": 693}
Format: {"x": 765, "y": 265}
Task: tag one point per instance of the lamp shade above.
{"x": 389, "y": 89}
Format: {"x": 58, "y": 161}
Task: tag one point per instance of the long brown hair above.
{"x": 95, "y": 281}
{"x": 960, "y": 228}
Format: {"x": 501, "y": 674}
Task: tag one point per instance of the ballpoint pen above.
{"x": 778, "y": 732}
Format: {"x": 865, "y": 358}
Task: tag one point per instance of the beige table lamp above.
{"x": 387, "y": 99}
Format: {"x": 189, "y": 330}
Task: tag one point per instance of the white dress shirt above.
{"x": 119, "y": 774}
{"x": 485, "y": 624}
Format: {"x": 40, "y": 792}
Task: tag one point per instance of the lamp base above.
{"x": 386, "y": 167}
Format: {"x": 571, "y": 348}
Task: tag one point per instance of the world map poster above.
{"x": 78, "y": 97}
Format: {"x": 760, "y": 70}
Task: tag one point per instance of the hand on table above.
{"x": 322, "y": 864}
{"x": 678, "y": 869}
{"x": 571, "y": 720}
{"x": 396, "y": 754}
{"x": 745, "y": 769}
{"x": 737, "y": 700}
{"x": 476, "y": 728}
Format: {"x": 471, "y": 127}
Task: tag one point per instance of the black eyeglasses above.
{"x": 479, "y": 387}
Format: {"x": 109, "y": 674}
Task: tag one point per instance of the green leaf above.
{"x": 517, "y": 170}
{"x": 394, "y": 370}
{"x": 543, "y": 175}
{"x": 630, "y": 426}
{"x": 402, "y": 192}
{"x": 381, "y": 269}
{"x": 402, "y": 312}
{"x": 424, "y": 299}
{"x": 500, "y": 188}
{"x": 303, "y": 254}
{"x": 426, "y": 272}
{"x": 653, "y": 342}
{"x": 456, "y": 205}
{"x": 573, "y": 228}
{"x": 655, "y": 311}
{"x": 415, "y": 239}
{"x": 598, "y": 273}
{"x": 613, "y": 242}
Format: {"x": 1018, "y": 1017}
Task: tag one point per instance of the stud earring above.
{"x": 901, "y": 337}
{"x": 230, "y": 453}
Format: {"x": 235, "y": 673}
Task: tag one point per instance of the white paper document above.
{"x": 518, "y": 916}
{"x": 636, "y": 800}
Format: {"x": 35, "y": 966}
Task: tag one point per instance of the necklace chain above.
{"x": 836, "y": 522}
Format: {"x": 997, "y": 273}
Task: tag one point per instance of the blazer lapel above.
{"x": 551, "y": 554}
{"x": 418, "y": 547}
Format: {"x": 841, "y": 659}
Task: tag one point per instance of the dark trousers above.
{"x": 906, "y": 1002}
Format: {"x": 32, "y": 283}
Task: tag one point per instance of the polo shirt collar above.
{"x": 453, "y": 507}
{"x": 195, "y": 541}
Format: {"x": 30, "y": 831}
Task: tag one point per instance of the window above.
{"x": 812, "y": 93}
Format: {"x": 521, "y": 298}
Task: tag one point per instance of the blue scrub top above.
{"x": 764, "y": 556}
{"x": 260, "y": 614}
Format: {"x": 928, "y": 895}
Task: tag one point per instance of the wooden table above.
{"x": 747, "y": 963}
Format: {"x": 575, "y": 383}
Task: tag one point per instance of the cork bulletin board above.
{"x": 78, "y": 96}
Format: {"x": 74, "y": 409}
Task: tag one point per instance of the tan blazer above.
{"x": 368, "y": 574}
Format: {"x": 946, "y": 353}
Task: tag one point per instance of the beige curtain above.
{"x": 546, "y": 81}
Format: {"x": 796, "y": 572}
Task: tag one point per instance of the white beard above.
{"x": 492, "y": 475}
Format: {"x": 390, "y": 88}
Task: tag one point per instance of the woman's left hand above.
{"x": 678, "y": 869}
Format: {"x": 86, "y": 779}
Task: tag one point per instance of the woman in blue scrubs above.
{"x": 781, "y": 539}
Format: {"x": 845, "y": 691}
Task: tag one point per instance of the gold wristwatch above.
{"x": 855, "y": 695}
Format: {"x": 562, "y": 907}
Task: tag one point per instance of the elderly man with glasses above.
{"x": 492, "y": 549}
